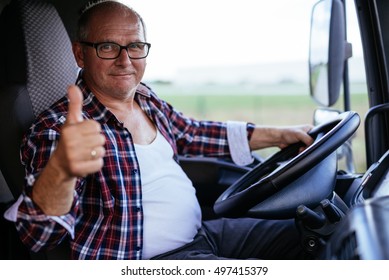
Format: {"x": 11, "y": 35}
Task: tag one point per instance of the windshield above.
{"x": 225, "y": 59}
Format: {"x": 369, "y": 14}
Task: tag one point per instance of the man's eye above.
{"x": 107, "y": 47}
{"x": 136, "y": 46}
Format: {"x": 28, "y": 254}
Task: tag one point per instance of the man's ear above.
{"x": 78, "y": 54}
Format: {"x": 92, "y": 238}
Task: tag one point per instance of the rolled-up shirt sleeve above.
{"x": 238, "y": 135}
{"x": 31, "y": 223}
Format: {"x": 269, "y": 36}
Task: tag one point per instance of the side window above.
{"x": 224, "y": 60}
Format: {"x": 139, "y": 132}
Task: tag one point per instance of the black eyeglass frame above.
{"x": 96, "y": 45}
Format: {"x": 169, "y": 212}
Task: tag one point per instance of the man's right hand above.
{"x": 81, "y": 147}
{"x": 79, "y": 152}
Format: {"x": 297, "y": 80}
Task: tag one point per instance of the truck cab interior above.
{"x": 340, "y": 214}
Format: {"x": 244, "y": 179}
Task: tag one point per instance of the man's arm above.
{"x": 266, "y": 136}
{"x": 53, "y": 191}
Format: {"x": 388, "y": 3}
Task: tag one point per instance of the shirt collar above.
{"x": 95, "y": 109}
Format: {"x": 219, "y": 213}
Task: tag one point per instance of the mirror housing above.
{"x": 323, "y": 115}
{"x": 328, "y": 51}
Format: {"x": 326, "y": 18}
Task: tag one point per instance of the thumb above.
{"x": 75, "y": 105}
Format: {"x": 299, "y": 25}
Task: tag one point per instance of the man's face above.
{"x": 118, "y": 77}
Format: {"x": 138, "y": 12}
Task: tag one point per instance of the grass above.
{"x": 222, "y": 103}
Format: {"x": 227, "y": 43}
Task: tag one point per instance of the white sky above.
{"x": 186, "y": 34}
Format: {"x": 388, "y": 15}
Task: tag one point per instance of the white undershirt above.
{"x": 172, "y": 214}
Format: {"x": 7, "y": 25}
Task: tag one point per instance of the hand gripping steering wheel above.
{"x": 277, "y": 186}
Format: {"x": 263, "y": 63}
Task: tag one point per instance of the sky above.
{"x": 216, "y": 33}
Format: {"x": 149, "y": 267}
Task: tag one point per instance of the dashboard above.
{"x": 375, "y": 182}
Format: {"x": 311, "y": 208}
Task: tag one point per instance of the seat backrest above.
{"x": 36, "y": 67}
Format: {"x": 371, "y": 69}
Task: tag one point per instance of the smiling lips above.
{"x": 122, "y": 74}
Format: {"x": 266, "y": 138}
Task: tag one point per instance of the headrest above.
{"x": 36, "y": 67}
{"x": 37, "y": 51}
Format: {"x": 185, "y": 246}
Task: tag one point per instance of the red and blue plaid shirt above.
{"x": 106, "y": 219}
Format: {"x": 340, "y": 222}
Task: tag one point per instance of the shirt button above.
{"x": 134, "y": 171}
{"x": 137, "y": 248}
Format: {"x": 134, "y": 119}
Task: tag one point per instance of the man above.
{"x": 102, "y": 167}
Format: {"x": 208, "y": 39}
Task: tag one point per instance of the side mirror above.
{"x": 328, "y": 51}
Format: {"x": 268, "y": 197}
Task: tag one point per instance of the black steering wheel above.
{"x": 277, "y": 186}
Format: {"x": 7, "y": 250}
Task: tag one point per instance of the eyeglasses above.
{"x": 110, "y": 50}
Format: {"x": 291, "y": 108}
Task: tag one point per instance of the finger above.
{"x": 307, "y": 139}
{"x": 75, "y": 105}
{"x": 86, "y": 127}
{"x": 83, "y": 168}
{"x": 95, "y": 140}
{"x": 95, "y": 153}
{"x": 79, "y": 147}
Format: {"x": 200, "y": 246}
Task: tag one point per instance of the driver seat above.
{"x": 36, "y": 67}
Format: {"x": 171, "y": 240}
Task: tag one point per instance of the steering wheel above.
{"x": 287, "y": 179}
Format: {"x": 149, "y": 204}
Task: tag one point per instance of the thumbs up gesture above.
{"x": 79, "y": 152}
{"x": 81, "y": 146}
{"x": 75, "y": 105}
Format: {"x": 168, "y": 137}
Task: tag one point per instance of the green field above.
{"x": 221, "y": 104}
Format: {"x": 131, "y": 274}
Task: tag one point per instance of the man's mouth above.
{"x": 122, "y": 74}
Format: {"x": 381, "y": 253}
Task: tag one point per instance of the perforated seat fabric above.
{"x": 37, "y": 65}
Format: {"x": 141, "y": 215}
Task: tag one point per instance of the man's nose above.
{"x": 123, "y": 56}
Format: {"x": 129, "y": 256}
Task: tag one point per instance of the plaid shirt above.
{"x": 106, "y": 219}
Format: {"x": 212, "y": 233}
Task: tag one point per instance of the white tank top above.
{"x": 172, "y": 215}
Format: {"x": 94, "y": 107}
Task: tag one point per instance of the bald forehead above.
{"x": 110, "y": 12}
{"x": 110, "y": 8}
